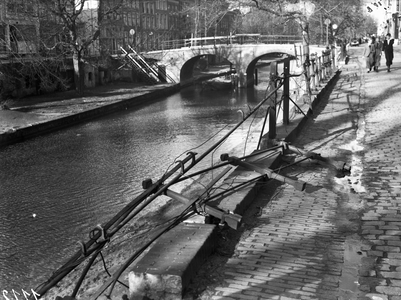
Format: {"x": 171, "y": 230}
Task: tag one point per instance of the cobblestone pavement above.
{"x": 341, "y": 238}
{"x": 381, "y": 221}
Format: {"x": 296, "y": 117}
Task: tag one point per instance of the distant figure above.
{"x": 347, "y": 45}
{"x": 388, "y": 51}
{"x": 343, "y": 49}
{"x": 379, "y": 49}
{"x": 38, "y": 82}
{"x": 370, "y": 53}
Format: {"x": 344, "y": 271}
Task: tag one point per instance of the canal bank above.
{"x": 285, "y": 130}
{"x": 341, "y": 241}
{"x": 33, "y": 116}
{"x": 22, "y": 119}
{"x": 169, "y": 270}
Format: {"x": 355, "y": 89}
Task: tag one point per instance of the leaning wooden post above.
{"x": 318, "y": 70}
{"x": 333, "y": 57}
{"x": 323, "y": 66}
{"x": 273, "y": 102}
{"x": 286, "y": 92}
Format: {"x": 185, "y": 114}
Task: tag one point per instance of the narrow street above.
{"x": 341, "y": 238}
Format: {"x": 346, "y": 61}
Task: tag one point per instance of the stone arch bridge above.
{"x": 179, "y": 63}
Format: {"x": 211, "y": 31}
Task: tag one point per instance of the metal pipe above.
{"x": 81, "y": 279}
{"x": 255, "y": 153}
{"x": 132, "y": 258}
{"x": 232, "y": 220}
{"x": 286, "y": 93}
{"x": 316, "y": 156}
{"x": 71, "y": 264}
{"x": 299, "y": 185}
{"x": 263, "y": 128}
{"x": 272, "y": 114}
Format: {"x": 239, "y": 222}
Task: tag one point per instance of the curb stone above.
{"x": 142, "y": 286}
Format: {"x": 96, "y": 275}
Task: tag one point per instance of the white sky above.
{"x": 91, "y": 4}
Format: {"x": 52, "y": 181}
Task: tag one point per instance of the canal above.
{"x": 55, "y": 188}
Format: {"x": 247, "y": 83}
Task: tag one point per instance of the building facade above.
{"x": 19, "y": 28}
{"x": 393, "y": 18}
{"x": 388, "y": 16}
{"x": 28, "y": 29}
{"x": 143, "y": 25}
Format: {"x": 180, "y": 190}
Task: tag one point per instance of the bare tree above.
{"x": 23, "y": 65}
{"x": 299, "y": 11}
{"x": 75, "y": 32}
{"x": 346, "y": 14}
{"x": 205, "y": 15}
{"x": 267, "y": 24}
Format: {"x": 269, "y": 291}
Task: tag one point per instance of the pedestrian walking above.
{"x": 378, "y": 55}
{"x": 343, "y": 49}
{"x": 370, "y": 53}
{"x": 388, "y": 50}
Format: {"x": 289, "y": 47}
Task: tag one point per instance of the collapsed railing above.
{"x": 102, "y": 234}
{"x": 150, "y": 72}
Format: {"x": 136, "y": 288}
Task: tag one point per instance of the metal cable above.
{"x": 124, "y": 216}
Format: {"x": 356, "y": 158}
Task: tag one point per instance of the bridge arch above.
{"x": 268, "y": 57}
{"x": 179, "y": 63}
{"x": 188, "y": 68}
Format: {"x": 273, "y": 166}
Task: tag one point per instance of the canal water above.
{"x": 55, "y": 188}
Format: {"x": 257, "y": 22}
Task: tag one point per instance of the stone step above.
{"x": 167, "y": 269}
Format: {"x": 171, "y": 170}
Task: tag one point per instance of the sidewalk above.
{"x": 34, "y": 115}
{"x": 342, "y": 238}
{"x": 58, "y": 110}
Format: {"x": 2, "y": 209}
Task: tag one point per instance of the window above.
{"x": 11, "y": 7}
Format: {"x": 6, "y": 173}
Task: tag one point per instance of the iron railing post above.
{"x": 286, "y": 92}
{"x": 273, "y": 98}
{"x": 312, "y": 68}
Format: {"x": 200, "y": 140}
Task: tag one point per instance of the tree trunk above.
{"x": 196, "y": 23}
{"x": 78, "y": 72}
{"x": 306, "y": 65}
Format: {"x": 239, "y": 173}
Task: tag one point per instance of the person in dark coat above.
{"x": 388, "y": 51}
{"x": 370, "y": 54}
{"x": 343, "y": 49}
{"x": 38, "y": 82}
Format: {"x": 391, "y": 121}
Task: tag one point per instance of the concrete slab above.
{"x": 166, "y": 270}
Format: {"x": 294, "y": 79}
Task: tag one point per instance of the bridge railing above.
{"x": 319, "y": 68}
{"x": 231, "y": 39}
{"x": 280, "y": 39}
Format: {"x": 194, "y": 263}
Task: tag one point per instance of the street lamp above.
{"x": 132, "y": 33}
{"x": 334, "y": 26}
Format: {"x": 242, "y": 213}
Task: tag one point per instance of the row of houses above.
{"x": 142, "y": 24}
{"x": 28, "y": 28}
